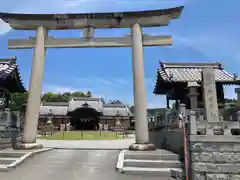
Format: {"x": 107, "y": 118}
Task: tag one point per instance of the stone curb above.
{"x": 103, "y": 149}
{"x": 120, "y": 162}
{"x": 20, "y": 160}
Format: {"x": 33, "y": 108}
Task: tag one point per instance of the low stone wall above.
{"x": 171, "y": 140}
{"x": 215, "y": 157}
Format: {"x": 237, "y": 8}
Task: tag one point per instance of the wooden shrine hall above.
{"x": 86, "y": 113}
{"x": 10, "y": 80}
{"x": 182, "y": 82}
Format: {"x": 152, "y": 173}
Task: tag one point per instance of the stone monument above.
{"x": 210, "y": 102}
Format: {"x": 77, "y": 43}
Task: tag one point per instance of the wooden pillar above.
{"x": 167, "y": 99}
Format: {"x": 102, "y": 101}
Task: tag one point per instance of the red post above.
{"x": 186, "y": 155}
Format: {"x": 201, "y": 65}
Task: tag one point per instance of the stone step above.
{"x": 176, "y": 174}
{"x": 153, "y": 156}
{"x": 161, "y": 172}
{"x": 7, "y": 161}
{"x": 11, "y": 154}
{"x": 152, "y": 163}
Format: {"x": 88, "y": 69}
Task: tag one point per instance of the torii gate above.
{"x": 89, "y": 22}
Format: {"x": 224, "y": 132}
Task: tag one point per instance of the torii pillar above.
{"x": 139, "y": 92}
{"x": 34, "y": 95}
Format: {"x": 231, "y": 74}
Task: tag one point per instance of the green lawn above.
{"x": 85, "y": 135}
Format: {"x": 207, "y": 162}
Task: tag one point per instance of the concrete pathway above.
{"x": 10, "y": 158}
{"x": 87, "y": 144}
{"x": 72, "y": 165}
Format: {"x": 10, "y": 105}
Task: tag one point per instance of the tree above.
{"x": 152, "y": 112}
{"x": 78, "y": 94}
{"x": 54, "y": 97}
{"x": 115, "y": 102}
{"x": 18, "y": 101}
{"x": 89, "y": 94}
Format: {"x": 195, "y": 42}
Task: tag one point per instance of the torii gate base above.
{"x": 133, "y": 20}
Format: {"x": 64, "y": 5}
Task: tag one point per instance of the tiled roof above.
{"x": 94, "y": 103}
{"x": 185, "y": 72}
{"x": 8, "y": 67}
{"x": 62, "y": 108}
{"x": 116, "y": 109}
{"x": 55, "y": 110}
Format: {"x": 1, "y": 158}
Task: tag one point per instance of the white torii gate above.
{"x": 89, "y": 22}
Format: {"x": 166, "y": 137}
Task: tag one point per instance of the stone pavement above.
{"x": 87, "y": 144}
{"x": 72, "y": 165}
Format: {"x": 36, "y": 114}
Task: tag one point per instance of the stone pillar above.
{"x": 167, "y": 99}
{"x": 88, "y": 33}
{"x": 237, "y": 91}
{"x": 140, "y": 101}
{"x": 193, "y": 95}
{"x": 35, "y": 89}
{"x": 182, "y": 117}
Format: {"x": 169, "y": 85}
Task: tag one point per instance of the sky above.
{"x": 207, "y": 31}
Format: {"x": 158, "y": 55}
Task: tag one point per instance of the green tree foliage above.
{"x": 153, "y": 111}
{"x": 89, "y": 94}
{"x": 115, "y": 102}
{"x": 18, "y": 101}
{"x": 78, "y": 94}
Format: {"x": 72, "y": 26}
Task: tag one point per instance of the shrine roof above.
{"x": 116, "y": 109}
{"x": 55, "y": 108}
{"x": 191, "y": 72}
{"x": 78, "y": 20}
{"x": 10, "y": 78}
{"x": 62, "y": 108}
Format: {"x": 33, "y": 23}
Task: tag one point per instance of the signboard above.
{"x": 62, "y": 127}
{"x": 105, "y": 127}
{"x": 119, "y": 129}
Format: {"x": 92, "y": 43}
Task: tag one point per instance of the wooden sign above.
{"x": 105, "y": 127}
{"x": 119, "y": 129}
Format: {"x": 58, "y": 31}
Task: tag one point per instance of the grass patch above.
{"x": 85, "y": 135}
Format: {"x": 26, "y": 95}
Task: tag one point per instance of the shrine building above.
{"x": 10, "y": 80}
{"x": 182, "y": 82}
{"x": 86, "y": 113}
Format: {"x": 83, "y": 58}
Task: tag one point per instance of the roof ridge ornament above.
{"x": 235, "y": 76}
{"x": 162, "y": 65}
{"x": 85, "y": 104}
{"x": 220, "y": 65}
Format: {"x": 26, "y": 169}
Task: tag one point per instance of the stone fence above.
{"x": 168, "y": 134}
{"x": 11, "y": 127}
{"x": 214, "y": 149}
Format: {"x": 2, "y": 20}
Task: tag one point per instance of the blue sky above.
{"x": 208, "y": 31}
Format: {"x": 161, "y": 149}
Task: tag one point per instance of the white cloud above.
{"x": 229, "y": 92}
{"x": 57, "y": 89}
{"x": 4, "y": 27}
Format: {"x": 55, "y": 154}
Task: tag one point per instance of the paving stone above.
{"x": 215, "y": 147}
{"x": 222, "y": 177}
{"x": 199, "y": 177}
{"x": 216, "y": 157}
{"x": 217, "y": 168}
